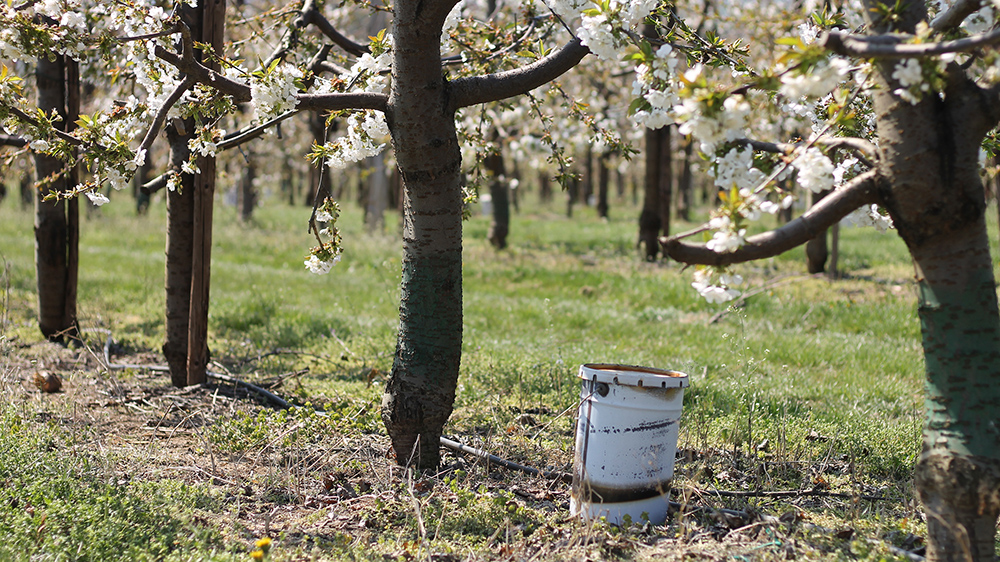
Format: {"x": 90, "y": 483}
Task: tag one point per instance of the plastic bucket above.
{"x": 626, "y": 441}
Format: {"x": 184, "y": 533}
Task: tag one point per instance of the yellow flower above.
{"x": 257, "y": 555}
{"x": 264, "y": 544}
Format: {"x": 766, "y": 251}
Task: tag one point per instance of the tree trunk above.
{"x": 603, "y": 179}
{"x": 929, "y": 153}
{"x": 57, "y": 222}
{"x": 544, "y": 187}
{"x": 180, "y": 240}
{"x": 378, "y": 194}
{"x": 420, "y": 393}
{"x": 816, "y": 252}
{"x": 500, "y": 192}
{"x": 189, "y": 232}
{"x": 650, "y": 218}
{"x": 212, "y": 17}
{"x": 665, "y": 179}
{"x": 142, "y": 198}
{"x": 572, "y": 194}
{"x": 248, "y": 192}
{"x": 684, "y": 184}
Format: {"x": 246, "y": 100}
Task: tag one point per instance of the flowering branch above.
{"x": 892, "y": 46}
{"x": 166, "y": 32}
{"x": 34, "y": 122}
{"x": 161, "y": 115}
{"x": 859, "y": 191}
{"x": 501, "y": 85}
{"x": 865, "y": 151}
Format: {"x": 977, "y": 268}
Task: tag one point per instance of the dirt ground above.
{"x": 344, "y": 492}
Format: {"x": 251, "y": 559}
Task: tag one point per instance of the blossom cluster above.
{"x": 272, "y": 91}
{"x": 716, "y": 284}
{"x": 366, "y": 132}
{"x": 327, "y": 254}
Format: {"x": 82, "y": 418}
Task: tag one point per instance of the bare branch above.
{"x": 342, "y": 100}
{"x": 892, "y": 46}
{"x": 158, "y": 183}
{"x": 502, "y": 85}
{"x": 955, "y": 14}
{"x": 319, "y": 20}
{"x": 239, "y": 137}
{"x": 859, "y": 191}
{"x": 161, "y": 115}
{"x": 11, "y": 140}
{"x": 204, "y": 75}
{"x": 326, "y": 66}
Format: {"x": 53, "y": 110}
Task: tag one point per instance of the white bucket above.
{"x": 626, "y": 441}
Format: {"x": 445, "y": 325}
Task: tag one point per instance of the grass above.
{"x": 810, "y": 383}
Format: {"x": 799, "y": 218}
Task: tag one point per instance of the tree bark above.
{"x": 179, "y": 259}
{"x": 57, "y": 222}
{"x": 213, "y": 20}
{"x": 929, "y": 153}
{"x": 420, "y": 393}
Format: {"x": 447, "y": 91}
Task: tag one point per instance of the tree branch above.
{"x": 866, "y": 151}
{"x": 204, "y": 75}
{"x": 319, "y": 20}
{"x": 955, "y": 14}
{"x": 32, "y": 121}
{"x": 859, "y": 191}
{"x": 239, "y": 137}
{"x": 342, "y": 100}
{"x": 161, "y": 115}
{"x": 11, "y": 140}
{"x": 892, "y": 46}
{"x": 502, "y": 85}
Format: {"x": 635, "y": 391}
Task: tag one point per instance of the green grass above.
{"x": 807, "y": 357}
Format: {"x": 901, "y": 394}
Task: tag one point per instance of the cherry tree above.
{"x": 901, "y": 110}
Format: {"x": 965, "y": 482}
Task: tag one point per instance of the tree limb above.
{"x": 161, "y": 115}
{"x": 319, "y": 20}
{"x": 892, "y": 46}
{"x": 239, "y": 137}
{"x": 32, "y": 121}
{"x": 865, "y": 150}
{"x": 11, "y": 140}
{"x": 501, "y": 85}
{"x": 955, "y": 14}
{"x": 204, "y": 75}
{"x": 859, "y": 191}
{"x": 342, "y": 100}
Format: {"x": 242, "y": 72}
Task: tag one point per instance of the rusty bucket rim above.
{"x": 633, "y": 375}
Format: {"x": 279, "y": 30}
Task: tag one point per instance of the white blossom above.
{"x": 38, "y": 145}
{"x": 321, "y": 267}
{"x": 97, "y": 198}
{"x": 274, "y": 93}
{"x": 815, "y": 170}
